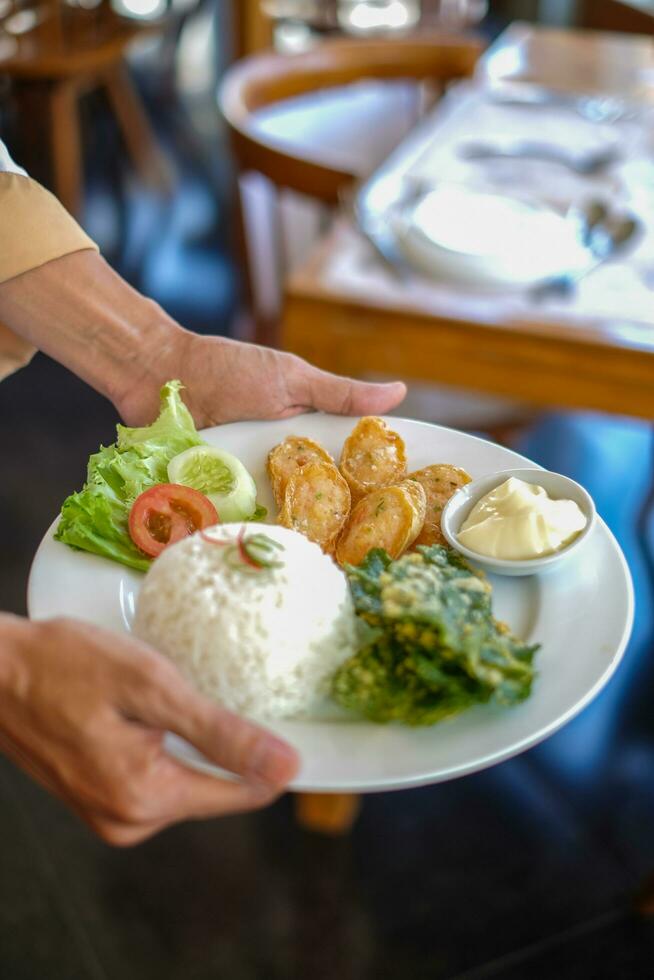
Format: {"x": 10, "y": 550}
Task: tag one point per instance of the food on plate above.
{"x": 288, "y": 457}
{"x": 256, "y": 618}
{"x": 316, "y": 503}
{"x": 439, "y": 482}
{"x": 373, "y": 459}
{"x": 166, "y": 513}
{"x": 373, "y": 456}
{"x": 518, "y": 521}
{"x": 434, "y": 648}
{"x": 390, "y": 518}
{"x": 261, "y": 618}
{"x": 219, "y": 475}
{"x": 97, "y": 518}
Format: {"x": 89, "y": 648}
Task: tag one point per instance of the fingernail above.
{"x": 273, "y": 761}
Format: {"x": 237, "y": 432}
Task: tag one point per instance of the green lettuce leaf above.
{"x": 171, "y": 433}
{"x": 96, "y": 518}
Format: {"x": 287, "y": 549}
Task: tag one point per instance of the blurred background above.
{"x": 139, "y": 116}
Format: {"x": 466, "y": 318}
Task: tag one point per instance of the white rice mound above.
{"x": 264, "y": 644}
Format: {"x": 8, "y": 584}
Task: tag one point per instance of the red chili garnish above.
{"x": 219, "y": 541}
{"x": 246, "y": 557}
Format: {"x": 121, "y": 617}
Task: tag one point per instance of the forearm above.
{"x": 57, "y": 294}
{"x": 81, "y": 313}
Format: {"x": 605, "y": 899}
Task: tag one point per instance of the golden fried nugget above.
{"x": 439, "y": 482}
{"x": 287, "y": 458}
{"x": 373, "y": 456}
{"x": 388, "y": 518}
{"x": 418, "y": 498}
{"x": 317, "y": 503}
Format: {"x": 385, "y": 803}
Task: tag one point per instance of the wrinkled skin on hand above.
{"x": 228, "y": 381}
{"x": 84, "y": 712}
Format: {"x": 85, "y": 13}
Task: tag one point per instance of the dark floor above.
{"x": 535, "y": 869}
{"x": 532, "y": 869}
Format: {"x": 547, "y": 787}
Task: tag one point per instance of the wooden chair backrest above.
{"x": 265, "y": 79}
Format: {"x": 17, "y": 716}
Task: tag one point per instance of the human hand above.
{"x": 84, "y": 712}
{"x": 228, "y": 381}
{"x": 78, "y": 310}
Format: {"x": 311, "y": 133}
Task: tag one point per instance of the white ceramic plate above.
{"x": 581, "y": 614}
{"x": 487, "y": 240}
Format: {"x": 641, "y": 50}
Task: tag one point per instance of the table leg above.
{"x": 333, "y": 814}
{"x": 253, "y": 29}
{"x": 65, "y": 143}
{"x": 141, "y": 142}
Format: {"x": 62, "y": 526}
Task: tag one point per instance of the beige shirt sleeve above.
{"x": 34, "y": 229}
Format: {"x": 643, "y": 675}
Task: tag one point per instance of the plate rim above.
{"x": 458, "y": 771}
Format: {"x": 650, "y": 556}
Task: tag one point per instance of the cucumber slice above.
{"x": 219, "y": 475}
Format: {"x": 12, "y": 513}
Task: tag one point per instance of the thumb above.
{"x": 344, "y": 396}
{"x": 236, "y": 744}
{"x": 167, "y": 702}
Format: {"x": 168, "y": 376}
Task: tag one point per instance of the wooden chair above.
{"x": 252, "y": 29}
{"x": 256, "y": 20}
{"x": 262, "y": 80}
{"x": 65, "y": 52}
{"x": 265, "y": 79}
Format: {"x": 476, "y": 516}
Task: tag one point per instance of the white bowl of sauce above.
{"x": 519, "y": 522}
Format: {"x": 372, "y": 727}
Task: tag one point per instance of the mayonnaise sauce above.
{"x": 519, "y": 520}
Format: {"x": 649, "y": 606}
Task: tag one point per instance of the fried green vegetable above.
{"x": 434, "y": 648}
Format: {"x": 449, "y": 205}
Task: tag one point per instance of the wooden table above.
{"x": 598, "y": 363}
{"x": 634, "y": 16}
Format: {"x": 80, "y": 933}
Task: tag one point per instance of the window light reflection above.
{"x": 22, "y": 22}
{"x": 141, "y": 9}
{"x": 363, "y": 17}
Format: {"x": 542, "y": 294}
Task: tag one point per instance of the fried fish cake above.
{"x": 388, "y": 518}
{"x": 440, "y": 482}
{"x": 287, "y": 458}
{"x": 373, "y": 456}
{"x": 317, "y": 503}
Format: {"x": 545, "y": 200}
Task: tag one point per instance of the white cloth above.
{"x": 7, "y": 164}
{"x": 618, "y": 293}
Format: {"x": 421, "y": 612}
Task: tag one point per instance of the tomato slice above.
{"x": 166, "y": 513}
